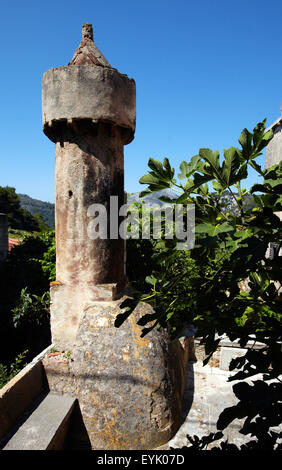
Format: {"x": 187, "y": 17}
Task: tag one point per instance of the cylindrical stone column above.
{"x": 89, "y": 111}
{"x": 88, "y": 171}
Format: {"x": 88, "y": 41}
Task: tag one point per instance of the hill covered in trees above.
{"x": 35, "y": 206}
{"x": 18, "y": 217}
{"x": 45, "y": 211}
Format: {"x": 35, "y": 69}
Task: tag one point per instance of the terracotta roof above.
{"x": 13, "y": 242}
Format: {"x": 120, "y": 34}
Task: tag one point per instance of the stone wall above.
{"x": 274, "y": 148}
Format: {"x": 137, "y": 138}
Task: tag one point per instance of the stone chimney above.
{"x": 129, "y": 389}
{"x": 89, "y": 112}
{"x": 4, "y": 240}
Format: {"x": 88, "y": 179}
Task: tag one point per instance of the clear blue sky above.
{"x": 203, "y": 71}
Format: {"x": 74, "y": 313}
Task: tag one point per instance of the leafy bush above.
{"x": 48, "y": 261}
{"x": 8, "y": 372}
{"x": 229, "y": 248}
{"x": 18, "y": 217}
{"x": 25, "y": 275}
{"x": 31, "y": 310}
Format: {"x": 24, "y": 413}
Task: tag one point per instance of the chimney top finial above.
{"x": 87, "y": 31}
{"x": 87, "y": 52}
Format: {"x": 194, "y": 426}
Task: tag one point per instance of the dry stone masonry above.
{"x": 129, "y": 388}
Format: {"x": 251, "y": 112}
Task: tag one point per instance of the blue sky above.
{"x": 203, "y": 72}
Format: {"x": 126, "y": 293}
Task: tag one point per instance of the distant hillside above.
{"x": 46, "y": 209}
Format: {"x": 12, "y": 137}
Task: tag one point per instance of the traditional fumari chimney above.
{"x": 129, "y": 389}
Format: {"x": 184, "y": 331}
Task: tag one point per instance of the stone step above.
{"x": 46, "y": 427}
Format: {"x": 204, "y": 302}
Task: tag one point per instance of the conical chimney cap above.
{"x": 87, "y": 52}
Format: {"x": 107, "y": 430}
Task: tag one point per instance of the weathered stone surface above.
{"x": 88, "y": 170}
{"x": 67, "y": 305}
{"x": 47, "y": 426}
{"x": 19, "y": 393}
{"x": 274, "y": 148}
{"x": 88, "y": 92}
{"x": 130, "y": 389}
{"x": 88, "y": 89}
{"x": 87, "y": 52}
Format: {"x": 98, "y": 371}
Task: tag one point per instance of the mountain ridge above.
{"x": 47, "y": 209}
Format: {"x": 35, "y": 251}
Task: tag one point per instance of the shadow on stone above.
{"x": 77, "y": 438}
{"x": 189, "y": 390}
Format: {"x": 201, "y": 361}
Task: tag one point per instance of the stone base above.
{"x": 67, "y": 305}
{"x": 129, "y": 389}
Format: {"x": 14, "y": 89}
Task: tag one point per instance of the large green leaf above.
{"x": 213, "y": 230}
{"x": 245, "y": 140}
{"x": 157, "y": 168}
{"x": 149, "y": 179}
{"x": 199, "y": 180}
{"x": 187, "y": 169}
{"x": 262, "y": 188}
{"x": 169, "y": 170}
{"x": 265, "y": 140}
{"x": 229, "y": 163}
{"x": 212, "y": 158}
{"x": 258, "y": 132}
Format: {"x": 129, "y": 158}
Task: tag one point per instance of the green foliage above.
{"x": 139, "y": 262}
{"x": 26, "y": 274}
{"x": 139, "y": 252}
{"x": 19, "y": 218}
{"x": 8, "y": 372}
{"x": 67, "y": 354}
{"x": 10, "y": 204}
{"x": 31, "y": 310}
{"x": 35, "y": 206}
{"x": 48, "y": 261}
{"x": 24, "y": 285}
{"x": 18, "y": 234}
{"x": 42, "y": 225}
{"x": 203, "y": 287}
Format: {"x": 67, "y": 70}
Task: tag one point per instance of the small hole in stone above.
{"x": 70, "y": 194}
